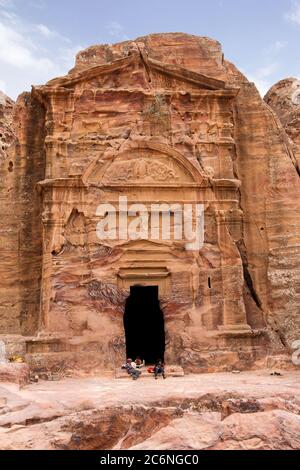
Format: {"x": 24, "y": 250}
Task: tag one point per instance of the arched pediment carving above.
{"x": 144, "y": 164}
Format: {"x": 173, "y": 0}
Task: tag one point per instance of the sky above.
{"x": 40, "y": 38}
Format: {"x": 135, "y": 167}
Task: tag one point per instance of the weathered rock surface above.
{"x": 272, "y": 430}
{"x": 161, "y": 118}
{"x": 252, "y": 411}
{"x": 20, "y": 221}
{"x": 15, "y": 373}
{"x": 6, "y": 124}
{"x": 284, "y": 99}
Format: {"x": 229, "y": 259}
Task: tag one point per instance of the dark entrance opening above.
{"x": 144, "y": 325}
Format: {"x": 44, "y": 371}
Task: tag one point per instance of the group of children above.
{"x": 134, "y": 368}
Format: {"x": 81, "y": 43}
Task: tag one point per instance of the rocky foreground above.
{"x": 251, "y": 410}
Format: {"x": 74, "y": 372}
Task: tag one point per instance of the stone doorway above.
{"x": 144, "y": 324}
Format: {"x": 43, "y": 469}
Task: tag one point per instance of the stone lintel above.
{"x": 235, "y": 330}
{"x": 226, "y": 183}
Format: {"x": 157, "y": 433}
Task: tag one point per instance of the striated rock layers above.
{"x": 162, "y": 119}
{"x": 284, "y": 99}
{"x": 6, "y": 127}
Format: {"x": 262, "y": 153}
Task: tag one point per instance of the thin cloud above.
{"x": 116, "y": 31}
{"x": 268, "y": 70}
{"x": 16, "y": 50}
{"x": 275, "y": 48}
{"x": 30, "y": 53}
{"x": 262, "y": 85}
{"x": 2, "y": 86}
{"x": 7, "y": 3}
{"x": 39, "y": 4}
{"x": 279, "y": 45}
{"x": 263, "y": 77}
{"x": 67, "y": 56}
{"x": 49, "y": 34}
{"x": 114, "y": 28}
{"x": 294, "y": 14}
{"x": 45, "y": 31}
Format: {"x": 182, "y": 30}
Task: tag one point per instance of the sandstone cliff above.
{"x": 6, "y": 124}
{"x": 172, "y": 91}
{"x": 22, "y": 166}
{"x": 284, "y": 99}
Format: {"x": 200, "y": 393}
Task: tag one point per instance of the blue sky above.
{"x": 39, "y": 38}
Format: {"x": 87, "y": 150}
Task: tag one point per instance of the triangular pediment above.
{"x": 183, "y": 75}
{"x": 157, "y": 74}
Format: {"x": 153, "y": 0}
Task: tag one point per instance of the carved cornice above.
{"x": 82, "y": 182}
{"x": 226, "y": 184}
{"x": 71, "y": 182}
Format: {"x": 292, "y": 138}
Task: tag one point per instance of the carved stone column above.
{"x": 234, "y": 313}
{"x": 53, "y": 220}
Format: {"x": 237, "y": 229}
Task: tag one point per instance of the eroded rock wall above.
{"x": 6, "y": 124}
{"x": 177, "y": 93}
{"x": 284, "y": 99}
{"x": 270, "y": 203}
{"x": 21, "y": 235}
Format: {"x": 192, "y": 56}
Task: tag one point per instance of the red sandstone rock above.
{"x": 15, "y": 373}
{"x": 177, "y": 414}
{"x": 272, "y": 430}
{"x": 163, "y": 117}
{"x": 284, "y": 99}
{"x": 6, "y": 125}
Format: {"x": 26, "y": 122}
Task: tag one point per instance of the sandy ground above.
{"x": 106, "y": 391}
